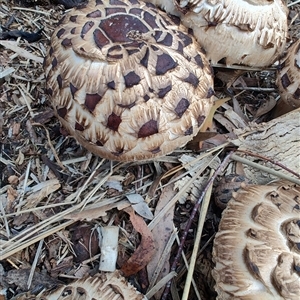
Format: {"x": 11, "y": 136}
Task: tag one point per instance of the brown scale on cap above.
{"x": 137, "y": 81}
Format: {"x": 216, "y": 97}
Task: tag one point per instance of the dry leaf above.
{"x": 12, "y": 194}
{"x": 41, "y": 191}
{"x": 144, "y": 252}
{"x": 20, "y": 278}
{"x": 162, "y": 233}
{"x": 140, "y": 206}
{"x": 85, "y": 241}
{"x": 95, "y": 211}
{"x": 115, "y": 182}
{"x": 13, "y": 179}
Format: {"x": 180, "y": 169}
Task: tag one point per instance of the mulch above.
{"x": 54, "y": 195}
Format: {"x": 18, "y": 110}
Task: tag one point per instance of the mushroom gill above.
{"x": 257, "y": 248}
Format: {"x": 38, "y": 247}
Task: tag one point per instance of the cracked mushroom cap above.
{"x": 249, "y": 32}
{"x": 127, "y": 81}
{"x": 107, "y": 286}
{"x": 257, "y": 248}
{"x": 288, "y": 77}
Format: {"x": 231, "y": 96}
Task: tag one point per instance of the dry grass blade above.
{"x": 202, "y": 216}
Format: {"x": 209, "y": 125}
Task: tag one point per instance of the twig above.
{"x": 188, "y": 225}
{"x": 193, "y": 259}
{"x": 36, "y": 258}
{"x": 264, "y": 169}
{"x": 50, "y": 145}
{"x": 293, "y": 3}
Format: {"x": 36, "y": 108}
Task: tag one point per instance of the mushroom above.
{"x": 239, "y": 31}
{"x": 256, "y": 249}
{"x": 127, "y": 81}
{"x": 288, "y": 79}
{"x": 106, "y": 286}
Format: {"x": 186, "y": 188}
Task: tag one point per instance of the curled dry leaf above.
{"x": 256, "y": 250}
{"x": 145, "y": 250}
{"x": 106, "y": 286}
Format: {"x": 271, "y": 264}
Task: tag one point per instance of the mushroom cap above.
{"x": 256, "y": 249}
{"x": 127, "y": 81}
{"x": 288, "y": 76}
{"x": 249, "y": 32}
{"x": 106, "y": 286}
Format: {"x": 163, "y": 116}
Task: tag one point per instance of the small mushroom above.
{"x": 257, "y": 247}
{"x": 127, "y": 81}
{"x": 288, "y": 78}
{"x": 239, "y": 31}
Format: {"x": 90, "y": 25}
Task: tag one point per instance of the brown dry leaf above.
{"x": 85, "y": 242}
{"x": 265, "y": 107}
{"x": 228, "y": 77}
{"x": 41, "y": 191}
{"x": 11, "y": 194}
{"x": 16, "y": 128}
{"x": 200, "y": 137}
{"x": 145, "y": 251}
{"x": 82, "y": 271}
{"x": 13, "y": 179}
{"x": 234, "y": 118}
{"x": 238, "y": 110}
{"x": 20, "y": 278}
{"x": 219, "y": 139}
{"x": 95, "y": 211}
{"x": 20, "y": 159}
{"x": 43, "y": 117}
{"x": 64, "y": 266}
{"x": 33, "y": 137}
{"x": 161, "y": 234}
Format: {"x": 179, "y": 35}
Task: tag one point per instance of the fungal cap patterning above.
{"x": 126, "y": 80}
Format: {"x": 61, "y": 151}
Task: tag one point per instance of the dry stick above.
{"x": 50, "y": 145}
{"x": 293, "y": 3}
{"x": 265, "y": 169}
{"x": 188, "y": 225}
{"x": 193, "y": 259}
{"x": 274, "y": 162}
{"x": 36, "y": 258}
